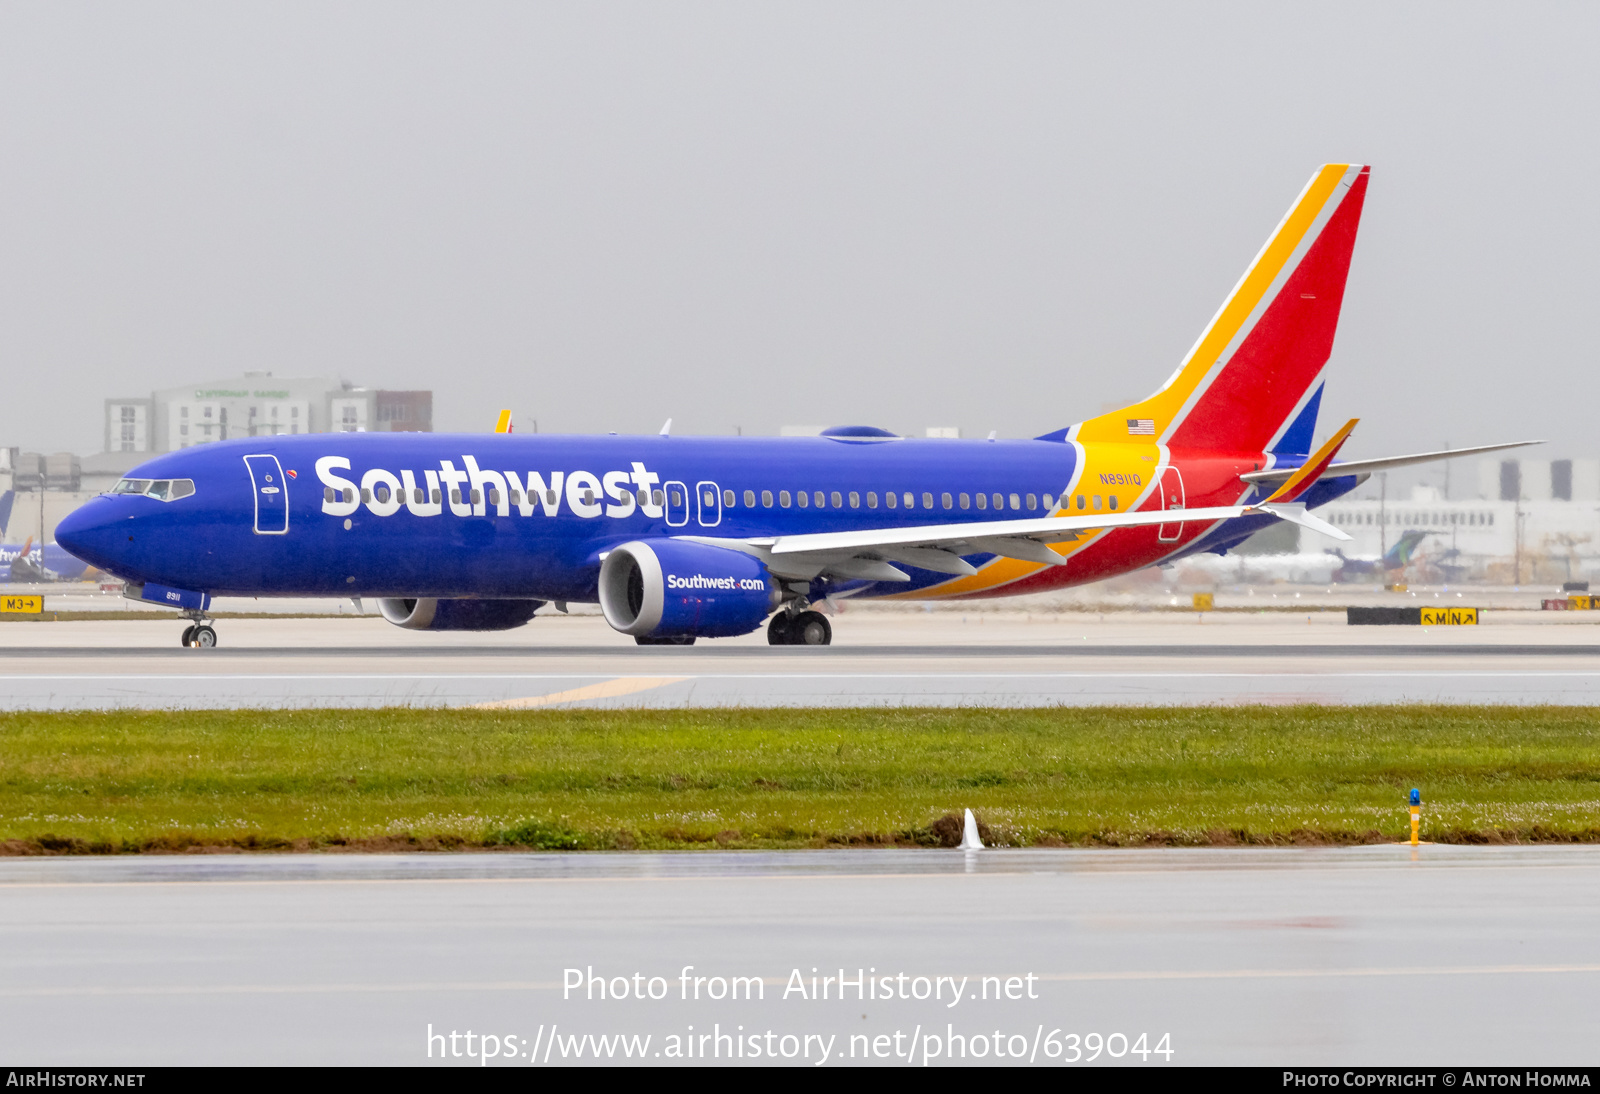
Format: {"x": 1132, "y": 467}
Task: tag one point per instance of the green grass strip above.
{"x": 564, "y": 779}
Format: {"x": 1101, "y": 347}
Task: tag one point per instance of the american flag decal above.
{"x": 1141, "y": 427}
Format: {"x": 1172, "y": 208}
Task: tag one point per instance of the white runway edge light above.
{"x": 969, "y": 834}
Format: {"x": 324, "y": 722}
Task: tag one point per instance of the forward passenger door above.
{"x": 271, "y": 491}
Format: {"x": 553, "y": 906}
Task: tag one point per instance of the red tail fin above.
{"x": 1267, "y": 346}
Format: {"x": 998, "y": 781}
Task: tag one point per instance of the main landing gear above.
{"x": 199, "y": 635}
{"x": 805, "y": 628}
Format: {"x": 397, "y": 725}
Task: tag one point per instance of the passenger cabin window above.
{"x": 891, "y": 499}
{"x": 804, "y": 498}
{"x": 872, "y": 499}
{"x": 1016, "y": 502}
{"x": 837, "y": 499}
{"x": 1033, "y": 502}
{"x": 946, "y": 500}
{"x": 999, "y": 501}
{"x": 783, "y": 498}
{"x": 910, "y": 500}
{"x": 927, "y": 500}
{"x": 855, "y": 500}
{"x": 964, "y": 500}
{"x": 820, "y": 502}
{"x": 750, "y": 499}
{"x": 727, "y": 499}
{"x": 983, "y": 501}
{"x": 766, "y": 499}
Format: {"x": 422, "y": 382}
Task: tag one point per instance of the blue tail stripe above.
{"x": 1297, "y": 438}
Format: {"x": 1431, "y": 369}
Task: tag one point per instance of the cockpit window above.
{"x": 160, "y": 489}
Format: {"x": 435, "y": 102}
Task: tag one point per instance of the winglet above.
{"x": 666, "y": 430}
{"x": 1306, "y": 477}
{"x": 503, "y": 424}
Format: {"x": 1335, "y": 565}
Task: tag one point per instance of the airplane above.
{"x": 1397, "y": 557}
{"x": 39, "y": 563}
{"x": 25, "y": 562}
{"x": 682, "y": 538}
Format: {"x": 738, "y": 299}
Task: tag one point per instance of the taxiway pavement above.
{"x": 879, "y": 658}
{"x": 1377, "y": 955}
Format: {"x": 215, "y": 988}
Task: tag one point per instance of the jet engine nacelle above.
{"x": 667, "y": 588}
{"x": 428, "y": 614}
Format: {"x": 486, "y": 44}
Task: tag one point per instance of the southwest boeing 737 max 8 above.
{"x": 680, "y": 538}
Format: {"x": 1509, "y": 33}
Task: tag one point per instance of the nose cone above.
{"x": 89, "y": 533}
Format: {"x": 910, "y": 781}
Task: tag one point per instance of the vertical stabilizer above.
{"x": 1257, "y": 368}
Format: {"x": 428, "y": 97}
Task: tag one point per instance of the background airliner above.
{"x": 30, "y": 561}
{"x": 680, "y": 538}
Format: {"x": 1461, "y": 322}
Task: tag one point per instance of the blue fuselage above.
{"x": 486, "y": 515}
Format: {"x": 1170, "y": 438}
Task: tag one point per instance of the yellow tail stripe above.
{"x": 609, "y": 689}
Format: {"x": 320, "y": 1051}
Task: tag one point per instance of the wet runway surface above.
{"x": 1357, "y": 956}
{"x": 891, "y": 661}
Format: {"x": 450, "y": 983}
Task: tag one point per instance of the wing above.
{"x": 871, "y": 553}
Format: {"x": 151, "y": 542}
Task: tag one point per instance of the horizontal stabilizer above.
{"x": 1367, "y": 467}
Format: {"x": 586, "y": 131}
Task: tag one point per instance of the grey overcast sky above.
{"x": 992, "y": 215}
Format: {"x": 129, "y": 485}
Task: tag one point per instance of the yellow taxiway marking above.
{"x": 609, "y": 689}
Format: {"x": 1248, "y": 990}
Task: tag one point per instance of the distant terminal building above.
{"x": 1530, "y": 520}
{"x": 259, "y": 405}
{"x": 256, "y": 404}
